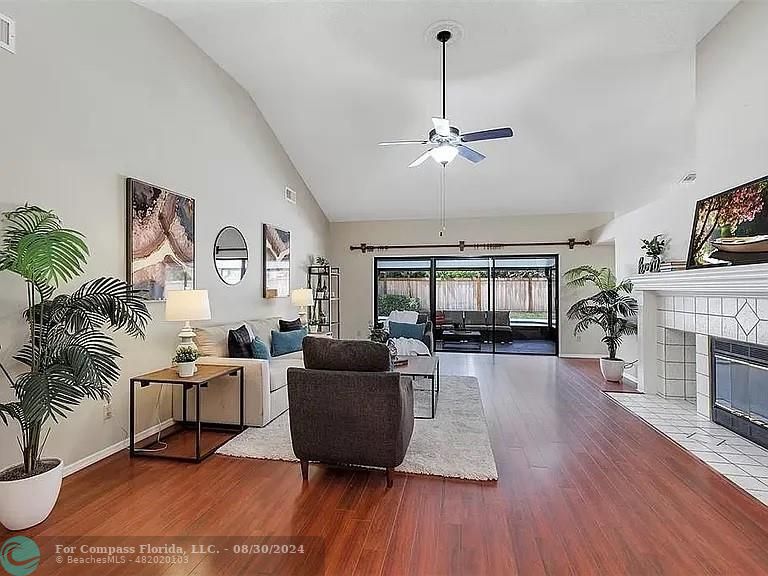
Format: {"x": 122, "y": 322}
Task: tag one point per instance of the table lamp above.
{"x": 303, "y": 298}
{"x": 185, "y": 306}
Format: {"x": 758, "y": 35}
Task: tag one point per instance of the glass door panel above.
{"x": 403, "y": 285}
{"x": 523, "y": 306}
{"x": 462, "y": 296}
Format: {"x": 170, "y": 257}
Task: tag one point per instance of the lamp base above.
{"x": 187, "y": 339}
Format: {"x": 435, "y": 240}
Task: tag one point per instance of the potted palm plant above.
{"x": 68, "y": 357}
{"x": 612, "y": 309}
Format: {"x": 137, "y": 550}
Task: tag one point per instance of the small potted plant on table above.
{"x": 185, "y": 358}
{"x": 612, "y": 309}
{"x": 69, "y": 356}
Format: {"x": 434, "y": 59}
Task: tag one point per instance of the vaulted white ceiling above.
{"x": 600, "y": 95}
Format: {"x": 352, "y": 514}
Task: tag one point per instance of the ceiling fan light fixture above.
{"x": 444, "y": 153}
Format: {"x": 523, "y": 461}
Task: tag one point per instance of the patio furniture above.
{"x": 462, "y": 340}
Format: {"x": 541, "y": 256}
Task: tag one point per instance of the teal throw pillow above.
{"x": 287, "y": 342}
{"x": 403, "y": 330}
{"x": 259, "y": 349}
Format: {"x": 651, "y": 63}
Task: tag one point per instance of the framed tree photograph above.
{"x": 160, "y": 239}
{"x": 731, "y": 228}
{"x": 277, "y": 262}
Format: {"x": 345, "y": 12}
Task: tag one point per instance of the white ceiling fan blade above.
{"x": 442, "y": 126}
{"x": 421, "y": 158}
{"x": 396, "y": 142}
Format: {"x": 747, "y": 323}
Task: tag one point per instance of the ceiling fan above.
{"x": 447, "y": 141}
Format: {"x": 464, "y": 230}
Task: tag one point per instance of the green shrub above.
{"x": 389, "y": 302}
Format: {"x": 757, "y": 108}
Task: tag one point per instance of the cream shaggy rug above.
{"x": 455, "y": 444}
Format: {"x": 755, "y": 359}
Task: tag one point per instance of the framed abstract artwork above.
{"x": 731, "y": 228}
{"x": 277, "y": 262}
{"x": 160, "y": 239}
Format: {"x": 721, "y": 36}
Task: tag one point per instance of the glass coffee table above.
{"x": 423, "y": 367}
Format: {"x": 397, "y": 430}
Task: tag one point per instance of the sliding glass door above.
{"x": 499, "y": 304}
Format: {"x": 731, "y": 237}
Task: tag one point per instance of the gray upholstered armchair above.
{"x": 347, "y": 406}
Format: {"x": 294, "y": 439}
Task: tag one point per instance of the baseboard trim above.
{"x": 582, "y": 356}
{"x": 631, "y": 378}
{"x": 115, "y": 448}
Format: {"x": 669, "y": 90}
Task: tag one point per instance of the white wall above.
{"x": 731, "y": 136}
{"x": 357, "y": 268}
{"x": 101, "y": 91}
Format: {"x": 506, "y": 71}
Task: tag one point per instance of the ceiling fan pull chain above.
{"x": 442, "y": 200}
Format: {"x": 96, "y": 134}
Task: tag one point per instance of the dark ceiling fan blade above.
{"x": 487, "y": 135}
{"x": 397, "y": 142}
{"x": 469, "y": 154}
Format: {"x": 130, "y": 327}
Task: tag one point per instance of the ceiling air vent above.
{"x": 688, "y": 178}
{"x": 290, "y": 195}
{"x": 7, "y": 34}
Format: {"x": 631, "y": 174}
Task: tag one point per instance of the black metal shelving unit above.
{"x": 325, "y": 282}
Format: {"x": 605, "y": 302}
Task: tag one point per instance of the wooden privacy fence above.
{"x": 515, "y": 294}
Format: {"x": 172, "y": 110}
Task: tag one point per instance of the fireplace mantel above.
{"x": 744, "y": 281}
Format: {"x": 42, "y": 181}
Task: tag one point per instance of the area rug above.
{"x": 455, "y": 444}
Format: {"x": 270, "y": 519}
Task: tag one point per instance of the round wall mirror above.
{"x": 230, "y": 255}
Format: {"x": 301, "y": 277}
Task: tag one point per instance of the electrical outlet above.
{"x": 107, "y": 410}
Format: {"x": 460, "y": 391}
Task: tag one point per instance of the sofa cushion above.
{"x": 402, "y": 330}
{"x": 259, "y": 349}
{"x": 211, "y": 339}
{"x": 239, "y": 343}
{"x": 290, "y": 325}
{"x": 349, "y": 355}
{"x": 286, "y": 342}
{"x": 278, "y": 369}
{"x": 263, "y": 327}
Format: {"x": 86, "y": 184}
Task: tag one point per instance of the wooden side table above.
{"x": 201, "y": 379}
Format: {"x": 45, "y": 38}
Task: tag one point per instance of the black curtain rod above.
{"x": 462, "y": 245}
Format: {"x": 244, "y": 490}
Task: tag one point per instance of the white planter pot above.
{"x": 186, "y": 369}
{"x": 27, "y": 502}
{"x": 613, "y": 370}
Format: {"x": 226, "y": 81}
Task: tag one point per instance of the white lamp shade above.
{"x": 185, "y": 305}
{"x": 302, "y": 297}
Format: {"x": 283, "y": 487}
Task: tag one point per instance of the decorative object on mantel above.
{"x": 462, "y": 245}
{"x": 69, "y": 356}
{"x": 613, "y": 309}
{"x": 654, "y": 249}
{"x": 277, "y": 262}
{"x": 672, "y": 265}
{"x": 731, "y": 228}
{"x": 185, "y": 306}
{"x": 185, "y": 358}
{"x": 160, "y": 240}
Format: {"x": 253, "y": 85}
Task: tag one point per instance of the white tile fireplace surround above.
{"x": 719, "y": 302}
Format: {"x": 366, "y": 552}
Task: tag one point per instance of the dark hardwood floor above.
{"x": 584, "y": 488}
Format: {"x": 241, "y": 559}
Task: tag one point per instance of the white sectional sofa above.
{"x": 266, "y": 390}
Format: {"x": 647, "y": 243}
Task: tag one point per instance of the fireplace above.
{"x": 740, "y": 388}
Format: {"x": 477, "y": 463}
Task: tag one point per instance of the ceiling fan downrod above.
{"x": 443, "y": 36}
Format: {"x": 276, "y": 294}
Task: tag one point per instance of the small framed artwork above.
{"x": 731, "y": 228}
{"x": 160, "y": 239}
{"x": 277, "y": 262}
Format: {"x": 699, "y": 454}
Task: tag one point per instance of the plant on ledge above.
{"x": 69, "y": 356}
{"x": 612, "y": 308}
